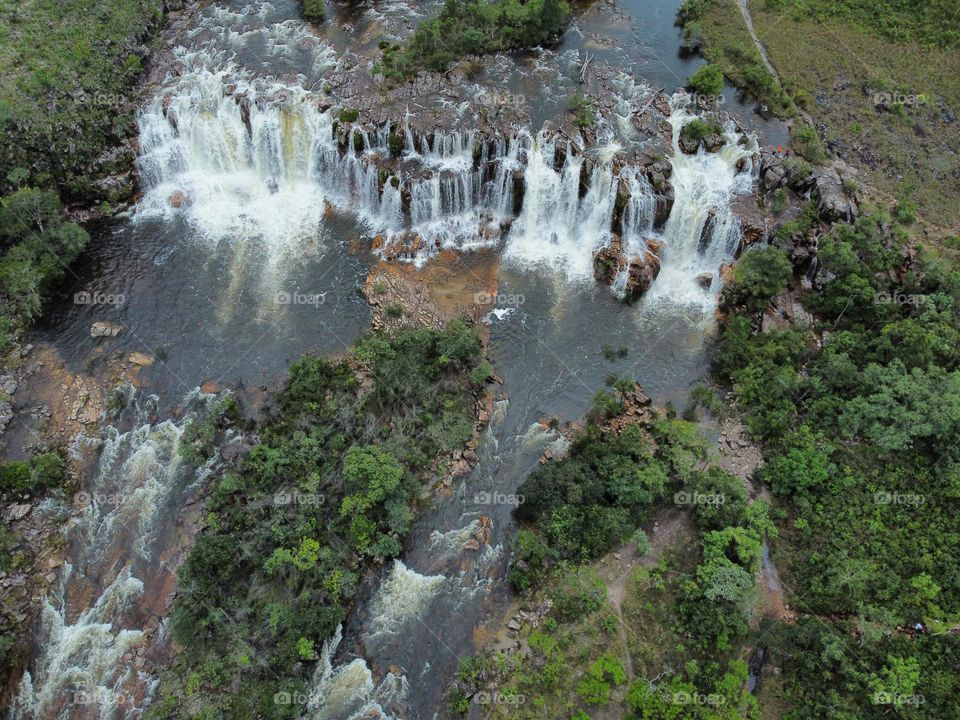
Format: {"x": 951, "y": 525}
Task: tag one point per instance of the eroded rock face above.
{"x": 833, "y": 202}
{"x": 753, "y": 226}
{"x": 663, "y": 206}
{"x": 641, "y": 270}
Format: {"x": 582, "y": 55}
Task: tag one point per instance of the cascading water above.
{"x": 556, "y": 226}
{"x": 702, "y": 231}
{"x": 92, "y": 628}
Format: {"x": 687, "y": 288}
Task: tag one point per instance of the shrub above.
{"x": 699, "y": 129}
{"x": 474, "y": 28}
{"x": 582, "y": 110}
{"x": 38, "y": 473}
{"x": 760, "y": 274}
{"x": 707, "y": 80}
{"x": 807, "y": 143}
{"x": 314, "y": 10}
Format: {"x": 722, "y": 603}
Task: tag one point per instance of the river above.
{"x": 249, "y": 246}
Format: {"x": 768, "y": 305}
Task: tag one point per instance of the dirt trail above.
{"x": 745, "y": 11}
{"x": 667, "y": 526}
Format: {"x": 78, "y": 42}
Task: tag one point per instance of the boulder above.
{"x": 706, "y": 234}
{"x": 714, "y": 142}
{"x": 833, "y": 203}
{"x": 688, "y": 144}
{"x": 753, "y": 226}
{"x": 405, "y": 245}
{"x": 178, "y": 199}
{"x": 140, "y": 358}
{"x": 105, "y": 328}
{"x": 705, "y": 280}
{"x": 663, "y": 205}
{"x": 607, "y": 261}
{"x": 642, "y": 270}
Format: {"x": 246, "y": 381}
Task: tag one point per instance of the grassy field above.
{"x": 67, "y": 66}
{"x": 889, "y": 105}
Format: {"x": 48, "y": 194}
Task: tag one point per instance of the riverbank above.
{"x": 67, "y": 106}
{"x": 895, "y": 120}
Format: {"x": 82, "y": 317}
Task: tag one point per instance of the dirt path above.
{"x": 667, "y": 526}
{"x": 745, "y": 11}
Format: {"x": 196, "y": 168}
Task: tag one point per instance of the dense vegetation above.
{"x": 671, "y": 640}
{"x": 36, "y": 246}
{"x": 328, "y": 492}
{"x": 474, "y": 28}
{"x": 860, "y": 418}
{"x": 66, "y": 68}
{"x": 38, "y": 473}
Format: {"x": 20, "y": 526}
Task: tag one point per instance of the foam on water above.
{"x": 403, "y": 597}
{"x": 348, "y": 692}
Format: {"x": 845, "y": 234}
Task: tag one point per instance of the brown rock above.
{"x": 178, "y": 199}
{"x": 104, "y": 328}
{"x": 140, "y": 358}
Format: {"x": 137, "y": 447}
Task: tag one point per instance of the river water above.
{"x": 264, "y": 259}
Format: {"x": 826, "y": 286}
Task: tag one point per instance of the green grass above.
{"x": 927, "y": 22}
{"x": 909, "y": 148}
{"x": 66, "y": 69}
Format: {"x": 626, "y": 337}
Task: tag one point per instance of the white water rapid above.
{"x": 705, "y": 185}
{"x": 91, "y": 629}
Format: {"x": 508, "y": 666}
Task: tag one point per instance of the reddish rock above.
{"x": 642, "y": 269}
{"x": 178, "y": 199}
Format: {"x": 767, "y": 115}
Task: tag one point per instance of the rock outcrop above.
{"x": 641, "y": 270}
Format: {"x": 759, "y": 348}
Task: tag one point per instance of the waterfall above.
{"x": 556, "y": 226}
{"x": 91, "y": 628}
{"x": 702, "y": 231}
{"x": 255, "y": 159}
